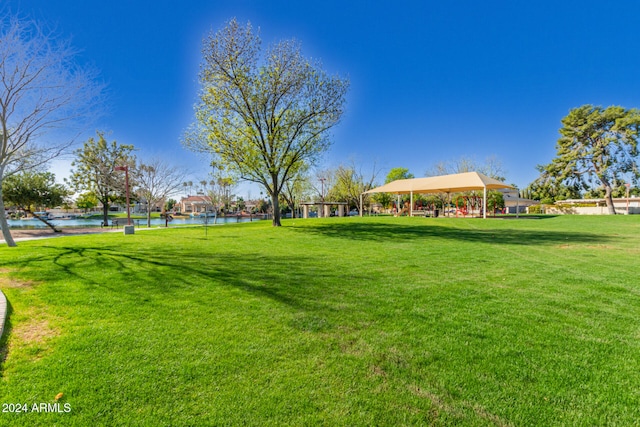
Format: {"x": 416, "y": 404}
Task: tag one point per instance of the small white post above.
{"x": 484, "y": 203}
{"x": 411, "y": 203}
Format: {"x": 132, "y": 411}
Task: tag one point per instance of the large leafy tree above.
{"x": 95, "y": 170}
{"x": 398, "y": 173}
{"x": 349, "y": 184}
{"x": 86, "y": 201}
{"x": 42, "y": 90}
{"x": 264, "y": 119}
{"x": 385, "y": 199}
{"x": 597, "y": 146}
{"x": 495, "y": 200}
{"x": 169, "y": 204}
{"x": 34, "y": 190}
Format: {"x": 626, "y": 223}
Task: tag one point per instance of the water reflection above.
{"x": 75, "y": 223}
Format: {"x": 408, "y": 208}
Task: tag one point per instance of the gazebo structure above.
{"x": 324, "y": 208}
{"x": 455, "y": 183}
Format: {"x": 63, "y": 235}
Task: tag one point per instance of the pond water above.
{"x": 34, "y": 223}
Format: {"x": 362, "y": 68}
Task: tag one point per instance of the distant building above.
{"x": 513, "y": 203}
{"x": 141, "y": 206}
{"x": 195, "y": 204}
{"x": 594, "y": 206}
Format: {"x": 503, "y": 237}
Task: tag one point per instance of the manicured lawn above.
{"x": 339, "y": 321}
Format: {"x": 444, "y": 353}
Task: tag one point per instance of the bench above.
{"x": 121, "y": 222}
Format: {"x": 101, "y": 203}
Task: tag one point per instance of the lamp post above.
{"x": 321, "y": 210}
{"x": 126, "y": 181}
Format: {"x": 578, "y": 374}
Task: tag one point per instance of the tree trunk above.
{"x": 105, "y": 214}
{"x": 4, "y": 225}
{"x": 276, "y": 210}
{"x": 47, "y": 223}
{"x": 292, "y": 207}
{"x": 149, "y": 218}
{"x": 609, "y": 199}
{"x": 607, "y": 196}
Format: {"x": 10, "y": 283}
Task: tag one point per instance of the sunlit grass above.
{"x": 347, "y": 321}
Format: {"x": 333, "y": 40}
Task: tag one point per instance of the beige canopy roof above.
{"x": 454, "y": 183}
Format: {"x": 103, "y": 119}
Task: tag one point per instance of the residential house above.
{"x": 195, "y": 204}
{"x": 513, "y": 203}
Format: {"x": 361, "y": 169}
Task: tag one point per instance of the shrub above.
{"x": 535, "y": 209}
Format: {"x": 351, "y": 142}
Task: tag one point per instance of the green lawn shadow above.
{"x": 385, "y": 232}
{"x": 150, "y": 275}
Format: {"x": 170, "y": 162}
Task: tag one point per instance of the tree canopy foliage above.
{"x": 597, "y": 146}
{"x": 386, "y": 199}
{"x": 548, "y": 191}
{"x": 31, "y": 191}
{"x": 95, "y": 170}
{"x": 398, "y": 173}
{"x": 263, "y": 118}
{"x": 348, "y": 184}
{"x": 86, "y": 201}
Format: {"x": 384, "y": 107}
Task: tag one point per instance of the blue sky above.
{"x": 430, "y": 81}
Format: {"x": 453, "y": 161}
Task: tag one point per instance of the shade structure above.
{"x": 454, "y": 183}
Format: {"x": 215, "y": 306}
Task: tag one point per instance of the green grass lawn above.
{"x": 338, "y": 321}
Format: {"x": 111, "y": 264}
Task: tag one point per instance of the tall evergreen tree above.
{"x": 597, "y": 146}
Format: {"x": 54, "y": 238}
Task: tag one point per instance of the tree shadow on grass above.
{"x": 150, "y": 276}
{"x": 140, "y": 276}
{"x": 386, "y": 232}
{"x": 131, "y": 282}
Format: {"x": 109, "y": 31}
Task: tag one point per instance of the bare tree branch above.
{"x": 45, "y": 98}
